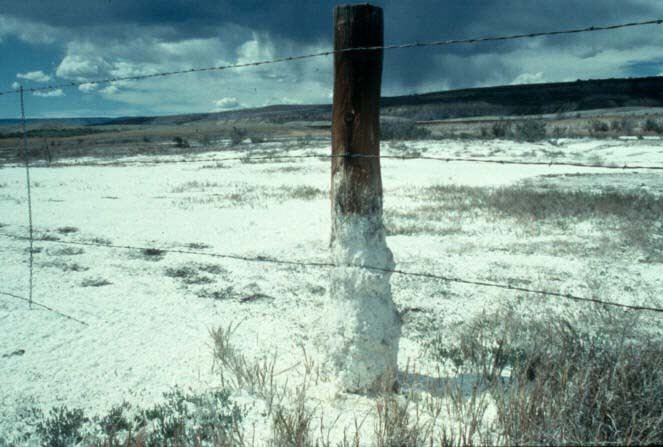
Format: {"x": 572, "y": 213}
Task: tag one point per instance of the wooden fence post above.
{"x": 365, "y": 326}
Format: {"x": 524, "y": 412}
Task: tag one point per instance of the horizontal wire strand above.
{"x": 270, "y": 260}
{"x": 43, "y": 306}
{"x": 248, "y": 159}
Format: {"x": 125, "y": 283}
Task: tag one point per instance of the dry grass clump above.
{"x": 195, "y": 185}
{"x": 303, "y": 192}
{"x": 591, "y": 378}
{"x": 65, "y": 266}
{"x": 636, "y": 215}
{"x": 521, "y": 201}
{"x": 67, "y": 230}
{"x": 65, "y": 251}
{"x": 151, "y": 254}
{"x": 95, "y": 282}
{"x": 195, "y": 273}
{"x": 239, "y": 372}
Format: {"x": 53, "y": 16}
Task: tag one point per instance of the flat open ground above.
{"x": 587, "y": 231}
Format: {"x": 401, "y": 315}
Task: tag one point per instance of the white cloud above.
{"x": 87, "y": 88}
{"x": 529, "y": 78}
{"x": 16, "y": 85}
{"x": 50, "y": 93}
{"x": 80, "y": 65}
{"x": 36, "y": 76}
{"x": 226, "y": 104}
{"x": 307, "y": 81}
{"x": 110, "y": 90}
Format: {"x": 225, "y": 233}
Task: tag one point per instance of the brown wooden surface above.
{"x": 356, "y": 109}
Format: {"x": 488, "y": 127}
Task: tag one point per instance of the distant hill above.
{"x": 531, "y": 99}
{"x": 512, "y": 100}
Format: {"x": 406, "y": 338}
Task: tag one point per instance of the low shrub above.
{"x": 624, "y": 126}
{"x": 182, "y": 418}
{"x": 500, "y": 129}
{"x": 652, "y": 125}
{"x": 62, "y": 427}
{"x": 237, "y": 135}
{"x": 529, "y": 130}
{"x": 180, "y": 142}
{"x": 598, "y": 127}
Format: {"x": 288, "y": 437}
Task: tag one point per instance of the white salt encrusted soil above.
{"x": 148, "y": 317}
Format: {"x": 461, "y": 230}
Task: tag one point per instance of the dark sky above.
{"x": 56, "y": 41}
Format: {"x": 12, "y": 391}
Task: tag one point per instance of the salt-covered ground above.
{"x": 148, "y": 317}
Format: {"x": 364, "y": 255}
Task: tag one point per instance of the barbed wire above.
{"x": 62, "y": 314}
{"x": 249, "y": 159}
{"x": 271, "y": 260}
{"x": 435, "y": 43}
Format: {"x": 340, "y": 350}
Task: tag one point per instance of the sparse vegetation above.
{"x": 46, "y": 236}
{"x": 195, "y": 185}
{"x": 500, "y": 129}
{"x": 198, "y": 246}
{"x": 403, "y": 130}
{"x": 67, "y": 230}
{"x": 100, "y": 241}
{"x": 624, "y": 126}
{"x": 197, "y": 273}
{"x": 522, "y": 201}
{"x": 182, "y": 418}
{"x": 180, "y": 143}
{"x": 237, "y": 135}
{"x": 152, "y": 254}
{"x": 62, "y": 427}
{"x": 54, "y": 133}
{"x": 530, "y": 130}
{"x": 304, "y": 192}
{"x": 654, "y": 126}
{"x": 599, "y": 127}
{"x": 225, "y": 293}
{"x": 66, "y": 251}
{"x": 95, "y": 282}
{"x": 65, "y": 266}
{"x": 592, "y": 377}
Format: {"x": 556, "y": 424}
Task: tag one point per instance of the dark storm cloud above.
{"x": 309, "y": 19}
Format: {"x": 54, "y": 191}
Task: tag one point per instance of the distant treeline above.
{"x": 52, "y": 133}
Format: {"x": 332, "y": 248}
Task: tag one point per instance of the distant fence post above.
{"x": 365, "y": 326}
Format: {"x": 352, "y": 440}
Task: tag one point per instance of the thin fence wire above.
{"x": 249, "y": 159}
{"x": 435, "y": 43}
{"x": 43, "y": 306}
{"x": 318, "y": 264}
{"x": 26, "y": 156}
